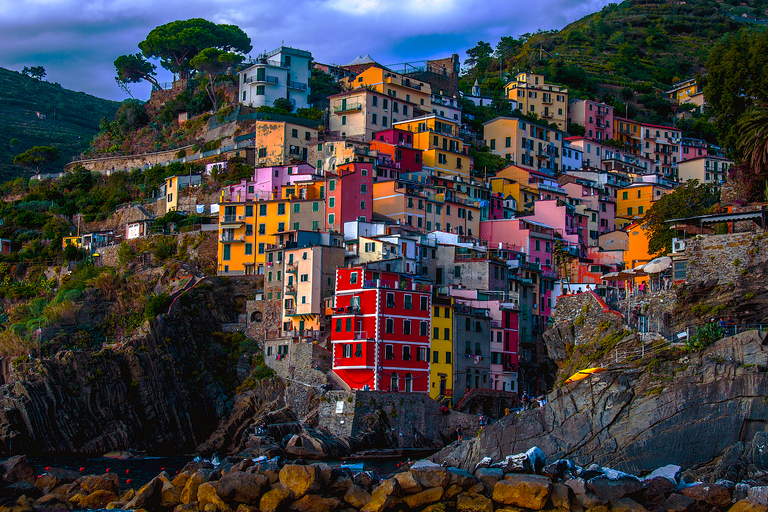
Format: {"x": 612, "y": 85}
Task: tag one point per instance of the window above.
{"x": 424, "y": 303}
{"x": 349, "y": 324}
{"x": 446, "y": 334}
{"x": 406, "y": 353}
{"x": 625, "y": 195}
{"x": 447, "y": 358}
{"x": 389, "y": 352}
{"x": 435, "y": 357}
{"x": 343, "y": 120}
{"x": 332, "y": 185}
{"x": 259, "y": 90}
{"x": 315, "y": 206}
{"x": 281, "y": 208}
{"x": 435, "y": 333}
{"x": 389, "y": 326}
{"x": 508, "y": 142}
{"x": 639, "y": 209}
{"x": 362, "y": 205}
{"x": 353, "y": 278}
{"x": 262, "y": 229}
{"x": 390, "y": 300}
{"x": 227, "y": 252}
{"x": 249, "y": 210}
{"x": 296, "y": 207}
{"x": 629, "y": 211}
{"x": 421, "y": 354}
{"x": 331, "y": 219}
{"x": 331, "y": 202}
{"x": 406, "y": 327}
{"x": 423, "y": 328}
{"x": 407, "y": 303}
{"x": 375, "y": 102}
{"x": 281, "y": 226}
{"x": 262, "y": 210}
{"x": 447, "y": 313}
{"x": 248, "y": 249}
{"x": 347, "y": 350}
{"x": 457, "y": 271}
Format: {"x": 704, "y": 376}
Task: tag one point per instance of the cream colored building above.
{"x": 709, "y": 169}
{"x": 524, "y": 143}
{"x": 533, "y": 96}
{"x": 361, "y": 113}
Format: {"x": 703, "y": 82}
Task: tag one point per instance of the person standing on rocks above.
{"x": 460, "y": 433}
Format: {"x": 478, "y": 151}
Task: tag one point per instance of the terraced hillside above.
{"x": 71, "y": 120}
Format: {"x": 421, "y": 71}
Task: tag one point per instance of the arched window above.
{"x": 408, "y": 380}
{"x": 256, "y": 316}
{"x": 394, "y": 384}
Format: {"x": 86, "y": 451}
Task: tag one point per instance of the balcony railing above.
{"x": 232, "y": 238}
{"x": 267, "y": 79}
{"x": 297, "y": 85}
{"x": 347, "y": 310}
{"x": 349, "y": 107}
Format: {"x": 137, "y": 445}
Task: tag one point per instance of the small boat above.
{"x": 583, "y": 374}
{"x": 124, "y": 455}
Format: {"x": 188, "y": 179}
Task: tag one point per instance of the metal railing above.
{"x": 267, "y": 79}
{"x": 297, "y": 85}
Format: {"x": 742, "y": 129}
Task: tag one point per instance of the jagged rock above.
{"x": 758, "y": 494}
{"x": 679, "y": 503}
{"x": 488, "y": 477}
{"x": 432, "y": 476}
{"x": 407, "y": 482}
{"x": 614, "y": 485}
{"x": 171, "y": 497}
{"x": 95, "y": 500}
{"x": 452, "y": 491}
{"x": 357, "y": 497}
{"x": 363, "y": 479}
{"x": 388, "y": 486}
{"x": 747, "y": 506}
{"x": 207, "y": 495}
{"x": 91, "y": 483}
{"x": 11, "y": 493}
{"x": 515, "y": 464}
{"x": 671, "y": 472}
{"x": 715, "y": 495}
{"x": 740, "y": 492}
{"x": 199, "y": 477}
{"x": 22, "y": 504}
{"x": 148, "y": 496}
{"x": 16, "y": 469}
{"x": 529, "y": 491}
{"x": 657, "y": 490}
{"x": 51, "y": 503}
{"x": 560, "y": 496}
{"x": 383, "y": 496}
{"x": 314, "y": 503}
{"x": 472, "y": 502}
{"x": 300, "y": 479}
{"x": 341, "y": 481}
{"x": 461, "y": 477}
{"x": 485, "y": 462}
{"x": 424, "y": 497}
{"x": 180, "y": 480}
{"x": 54, "y": 477}
{"x": 559, "y": 468}
{"x": 241, "y": 487}
{"x": 275, "y": 498}
{"x": 626, "y": 505}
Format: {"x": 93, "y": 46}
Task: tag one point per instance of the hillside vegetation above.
{"x": 72, "y": 120}
{"x": 627, "y": 54}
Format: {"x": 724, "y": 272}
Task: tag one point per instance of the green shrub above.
{"x": 156, "y": 305}
{"x": 704, "y": 337}
{"x": 125, "y": 253}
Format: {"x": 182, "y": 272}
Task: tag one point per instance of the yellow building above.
{"x": 524, "y": 143}
{"x": 394, "y": 85}
{"x": 70, "y": 240}
{"x": 533, "y": 96}
{"x": 175, "y": 185}
{"x": 247, "y": 229}
{"x": 687, "y": 91}
{"x": 441, "y": 365}
{"x": 634, "y": 201}
{"x": 630, "y": 133}
{"x": 438, "y": 138}
{"x": 523, "y": 196}
{"x": 636, "y": 252}
{"x": 280, "y": 142}
{"x": 326, "y": 156}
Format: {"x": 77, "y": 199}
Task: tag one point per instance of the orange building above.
{"x": 634, "y": 201}
{"x": 394, "y": 85}
{"x": 438, "y": 138}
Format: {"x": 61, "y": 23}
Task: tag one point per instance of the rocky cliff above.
{"x": 669, "y": 407}
{"x": 162, "y": 391}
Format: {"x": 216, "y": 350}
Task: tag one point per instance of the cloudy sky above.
{"x": 78, "y": 40}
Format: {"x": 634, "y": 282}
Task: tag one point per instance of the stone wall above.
{"x": 724, "y": 257}
{"x": 585, "y": 312}
{"x": 125, "y": 162}
{"x": 303, "y": 362}
{"x": 411, "y": 416}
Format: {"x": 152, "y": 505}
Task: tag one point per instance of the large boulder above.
{"x": 94, "y": 501}
{"x": 715, "y": 495}
{"x": 627, "y": 505}
{"x": 314, "y": 503}
{"x": 199, "y": 477}
{"x": 52, "y": 503}
{"x": 11, "y": 493}
{"x": 747, "y": 506}
{"x": 357, "y": 497}
{"x": 207, "y": 497}
{"x": 657, "y": 489}
{"x": 473, "y": 502}
{"x": 17, "y": 468}
{"x": 407, "y": 482}
{"x": 431, "y": 476}
{"x": 300, "y": 479}
{"x": 461, "y": 477}
{"x": 384, "y": 496}
{"x": 274, "y": 499}
{"x": 529, "y": 491}
{"x": 488, "y": 477}
{"x": 613, "y": 485}
{"x": 148, "y": 496}
{"x": 422, "y": 498}
{"x": 241, "y": 487}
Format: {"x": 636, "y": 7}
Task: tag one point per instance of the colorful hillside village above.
{"x": 378, "y": 238}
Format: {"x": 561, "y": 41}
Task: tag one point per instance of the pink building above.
{"x": 597, "y": 118}
{"x": 349, "y": 194}
{"x": 692, "y": 148}
{"x": 600, "y": 208}
{"x": 267, "y": 183}
{"x": 536, "y": 239}
{"x": 562, "y": 218}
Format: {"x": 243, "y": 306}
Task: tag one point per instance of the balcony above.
{"x": 231, "y": 238}
{"x": 346, "y": 310}
{"x": 232, "y": 221}
{"x": 297, "y": 85}
{"x": 349, "y": 107}
{"x": 292, "y": 267}
{"x": 267, "y": 80}
{"x": 546, "y": 114}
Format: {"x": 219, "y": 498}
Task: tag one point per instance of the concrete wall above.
{"x": 724, "y": 257}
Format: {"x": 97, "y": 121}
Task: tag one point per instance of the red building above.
{"x": 350, "y": 194}
{"x": 380, "y": 330}
{"x": 399, "y": 145}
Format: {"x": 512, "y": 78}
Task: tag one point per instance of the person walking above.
{"x": 460, "y": 434}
